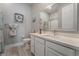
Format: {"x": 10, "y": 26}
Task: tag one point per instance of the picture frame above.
{"x": 19, "y": 17}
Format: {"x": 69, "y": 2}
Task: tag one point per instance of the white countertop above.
{"x": 63, "y": 40}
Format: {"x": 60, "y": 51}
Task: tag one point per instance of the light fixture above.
{"x": 49, "y": 7}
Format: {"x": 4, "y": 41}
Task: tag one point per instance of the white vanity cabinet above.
{"x": 39, "y": 47}
{"x": 33, "y": 44}
{"x": 77, "y": 53}
{"x": 51, "y": 52}
{"x": 59, "y": 50}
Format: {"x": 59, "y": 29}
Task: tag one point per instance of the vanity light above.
{"x": 49, "y": 7}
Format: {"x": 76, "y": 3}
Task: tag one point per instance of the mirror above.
{"x": 45, "y": 20}
{"x": 60, "y": 16}
{"x": 53, "y": 21}
{"x": 49, "y": 17}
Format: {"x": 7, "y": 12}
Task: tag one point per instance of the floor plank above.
{"x": 17, "y": 51}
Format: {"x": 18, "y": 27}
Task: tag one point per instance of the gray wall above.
{"x": 23, "y": 28}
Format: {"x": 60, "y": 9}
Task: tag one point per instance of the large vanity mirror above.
{"x": 50, "y": 17}
{"x": 60, "y": 16}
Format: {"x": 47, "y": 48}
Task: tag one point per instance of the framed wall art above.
{"x": 19, "y": 17}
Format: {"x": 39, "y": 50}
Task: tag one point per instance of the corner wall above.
{"x": 24, "y": 28}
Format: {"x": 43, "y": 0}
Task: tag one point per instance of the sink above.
{"x": 48, "y": 35}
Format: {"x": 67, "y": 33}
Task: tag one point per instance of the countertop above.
{"x": 69, "y": 42}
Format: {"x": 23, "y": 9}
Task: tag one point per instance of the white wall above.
{"x": 25, "y": 9}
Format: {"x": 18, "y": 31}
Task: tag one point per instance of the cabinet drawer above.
{"x": 50, "y": 52}
{"x": 61, "y": 49}
{"x": 39, "y": 40}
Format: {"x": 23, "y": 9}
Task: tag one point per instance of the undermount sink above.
{"x": 48, "y": 35}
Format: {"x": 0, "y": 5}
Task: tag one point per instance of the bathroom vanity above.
{"x": 60, "y": 17}
{"x": 46, "y": 45}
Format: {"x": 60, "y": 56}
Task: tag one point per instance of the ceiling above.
{"x": 54, "y": 7}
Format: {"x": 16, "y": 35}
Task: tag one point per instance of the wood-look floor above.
{"x": 17, "y": 51}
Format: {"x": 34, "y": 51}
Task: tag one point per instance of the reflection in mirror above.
{"x": 49, "y": 17}
{"x": 53, "y": 21}
{"x": 45, "y": 20}
{"x": 60, "y": 17}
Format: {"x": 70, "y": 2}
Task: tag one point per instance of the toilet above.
{"x": 26, "y": 42}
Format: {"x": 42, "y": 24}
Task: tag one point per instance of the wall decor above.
{"x": 18, "y": 17}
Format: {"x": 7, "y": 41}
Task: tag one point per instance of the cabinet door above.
{"x": 39, "y": 48}
{"x": 69, "y": 18}
{"x": 39, "y": 51}
{"x": 77, "y": 52}
{"x": 50, "y": 52}
{"x": 32, "y": 44}
{"x": 61, "y": 49}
